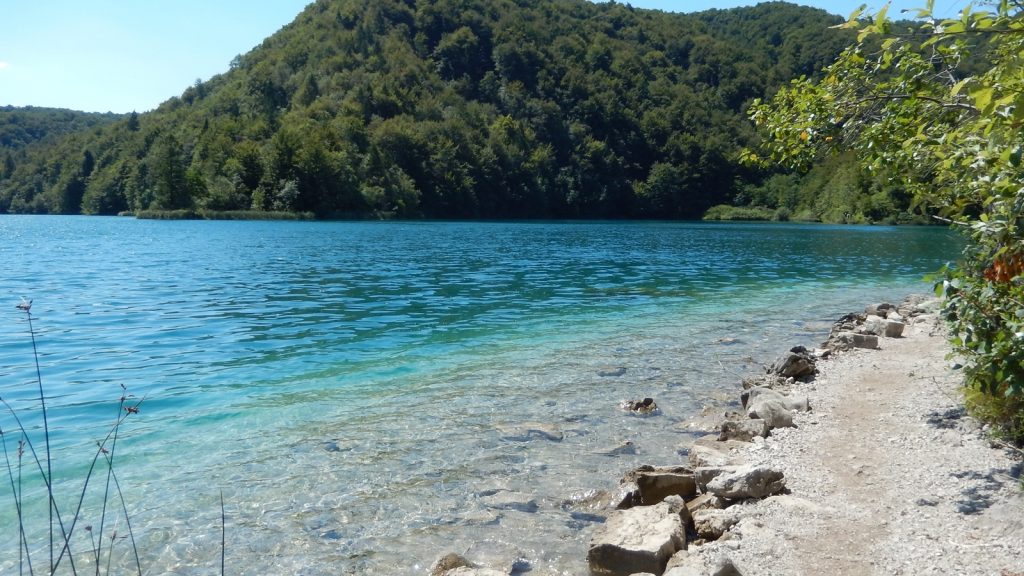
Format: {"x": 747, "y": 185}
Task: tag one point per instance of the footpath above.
{"x": 853, "y": 459}
{"x": 885, "y": 474}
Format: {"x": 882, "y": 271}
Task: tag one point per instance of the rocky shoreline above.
{"x": 852, "y": 458}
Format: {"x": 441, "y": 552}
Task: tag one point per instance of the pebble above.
{"x": 885, "y": 493}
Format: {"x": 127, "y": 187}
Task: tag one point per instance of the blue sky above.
{"x": 124, "y": 55}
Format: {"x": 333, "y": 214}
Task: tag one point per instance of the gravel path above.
{"x": 886, "y": 476}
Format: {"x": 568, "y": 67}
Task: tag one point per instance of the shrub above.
{"x": 739, "y": 213}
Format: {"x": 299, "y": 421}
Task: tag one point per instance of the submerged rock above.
{"x": 626, "y": 447}
{"x": 645, "y": 407}
{"x": 625, "y": 496}
{"x": 449, "y": 562}
{"x": 612, "y": 372}
{"x": 531, "y": 431}
{"x": 467, "y": 571}
{"x": 507, "y": 500}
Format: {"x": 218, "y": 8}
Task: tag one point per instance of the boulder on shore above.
{"x": 792, "y": 402}
{"x": 706, "y": 474}
{"x": 710, "y": 451}
{"x": 641, "y": 539}
{"x": 767, "y": 380}
{"x": 694, "y": 565}
{"x": 772, "y": 411}
{"x": 841, "y": 341}
{"x": 878, "y": 309}
{"x": 655, "y": 483}
{"x": 890, "y": 328}
{"x": 705, "y": 502}
{"x": 743, "y": 430}
{"x": 797, "y": 363}
{"x": 711, "y": 523}
{"x": 656, "y": 486}
{"x": 747, "y": 482}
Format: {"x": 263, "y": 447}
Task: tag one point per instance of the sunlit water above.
{"x": 355, "y": 390}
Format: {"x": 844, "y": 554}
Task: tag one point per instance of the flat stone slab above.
{"x": 656, "y": 486}
{"x": 641, "y": 539}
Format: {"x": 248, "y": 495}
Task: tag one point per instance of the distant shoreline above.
{"x": 189, "y": 214}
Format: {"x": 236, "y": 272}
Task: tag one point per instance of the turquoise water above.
{"x": 354, "y": 388}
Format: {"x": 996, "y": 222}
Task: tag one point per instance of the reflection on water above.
{"x": 355, "y": 388}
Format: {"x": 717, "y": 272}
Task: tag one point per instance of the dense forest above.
{"x": 20, "y": 127}
{"x": 462, "y": 109}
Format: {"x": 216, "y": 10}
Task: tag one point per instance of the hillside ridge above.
{"x": 451, "y": 109}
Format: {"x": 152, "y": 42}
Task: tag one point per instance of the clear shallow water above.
{"x": 354, "y": 389}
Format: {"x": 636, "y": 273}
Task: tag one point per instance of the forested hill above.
{"x": 450, "y": 108}
{"x": 20, "y": 127}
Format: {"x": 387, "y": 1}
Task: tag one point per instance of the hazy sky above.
{"x": 124, "y": 55}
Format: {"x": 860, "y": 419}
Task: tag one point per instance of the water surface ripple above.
{"x": 360, "y": 391}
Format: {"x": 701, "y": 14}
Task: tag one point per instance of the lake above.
{"x": 361, "y": 393}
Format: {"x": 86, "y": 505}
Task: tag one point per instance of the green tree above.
{"x": 308, "y": 92}
{"x": 904, "y": 102}
{"x": 133, "y": 122}
{"x": 8, "y": 168}
{"x": 106, "y": 191}
{"x": 171, "y": 186}
{"x": 88, "y": 164}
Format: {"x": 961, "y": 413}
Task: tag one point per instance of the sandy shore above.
{"x": 886, "y": 475}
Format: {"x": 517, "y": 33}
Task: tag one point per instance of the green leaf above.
{"x": 880, "y": 19}
{"x": 953, "y": 27}
{"x": 982, "y": 97}
{"x": 955, "y": 90}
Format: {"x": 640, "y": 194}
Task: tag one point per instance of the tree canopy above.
{"x": 947, "y": 126}
{"x": 454, "y": 109}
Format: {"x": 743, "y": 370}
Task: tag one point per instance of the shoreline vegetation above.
{"x": 730, "y": 213}
{"x": 855, "y": 457}
{"x": 29, "y": 470}
{"x": 200, "y": 214}
{"x": 84, "y": 529}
